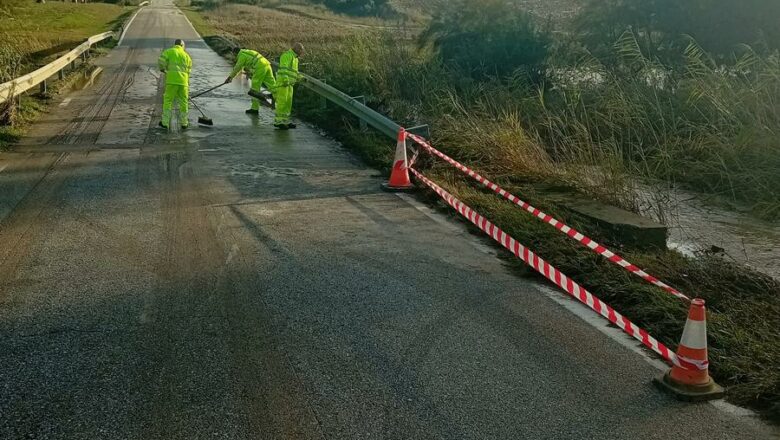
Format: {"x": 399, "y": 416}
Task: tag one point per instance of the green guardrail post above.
{"x": 323, "y": 99}
{"x": 362, "y": 99}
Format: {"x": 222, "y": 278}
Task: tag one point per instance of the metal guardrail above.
{"x": 353, "y": 105}
{"x": 16, "y": 87}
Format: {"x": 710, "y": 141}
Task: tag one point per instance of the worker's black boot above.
{"x": 252, "y": 111}
{"x": 292, "y": 126}
{"x": 184, "y": 127}
{"x": 161, "y": 125}
{"x": 281, "y": 126}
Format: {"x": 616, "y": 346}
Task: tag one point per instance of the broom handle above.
{"x": 196, "y": 106}
{"x": 206, "y": 91}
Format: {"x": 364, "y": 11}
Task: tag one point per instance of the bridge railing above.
{"x": 16, "y": 87}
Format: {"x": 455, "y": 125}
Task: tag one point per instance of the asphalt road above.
{"x": 238, "y": 282}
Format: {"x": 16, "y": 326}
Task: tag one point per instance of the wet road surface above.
{"x": 237, "y": 282}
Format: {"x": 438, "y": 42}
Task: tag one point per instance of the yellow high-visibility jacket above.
{"x": 177, "y": 65}
{"x": 288, "y": 75}
{"x": 248, "y": 60}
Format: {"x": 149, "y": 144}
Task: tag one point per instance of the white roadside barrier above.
{"x": 16, "y": 87}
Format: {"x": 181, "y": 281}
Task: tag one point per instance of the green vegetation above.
{"x": 31, "y": 35}
{"x": 357, "y": 7}
{"x": 597, "y": 120}
{"x": 517, "y": 43}
{"x": 31, "y": 32}
{"x": 17, "y": 118}
{"x": 665, "y": 27}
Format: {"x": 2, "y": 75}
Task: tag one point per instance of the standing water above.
{"x": 697, "y": 226}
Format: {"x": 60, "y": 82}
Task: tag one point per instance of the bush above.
{"x": 489, "y": 38}
{"x": 665, "y": 27}
{"x": 357, "y": 7}
{"x": 207, "y": 4}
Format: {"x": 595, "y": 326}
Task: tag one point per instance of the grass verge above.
{"x": 32, "y": 35}
{"x": 744, "y": 305}
{"x": 31, "y": 32}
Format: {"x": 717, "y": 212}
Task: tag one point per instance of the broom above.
{"x": 203, "y": 119}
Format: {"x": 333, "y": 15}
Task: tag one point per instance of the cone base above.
{"x": 389, "y": 188}
{"x": 690, "y": 393}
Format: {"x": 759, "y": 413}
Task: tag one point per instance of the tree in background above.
{"x": 485, "y": 38}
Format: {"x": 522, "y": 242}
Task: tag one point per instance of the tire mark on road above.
{"x": 26, "y": 220}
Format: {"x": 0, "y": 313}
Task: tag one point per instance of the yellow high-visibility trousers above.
{"x": 284, "y": 100}
{"x": 176, "y": 93}
{"x": 263, "y": 76}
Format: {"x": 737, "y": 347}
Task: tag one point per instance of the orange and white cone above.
{"x": 693, "y": 383}
{"x": 399, "y": 176}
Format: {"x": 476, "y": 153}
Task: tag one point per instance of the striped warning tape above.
{"x": 560, "y": 279}
{"x": 571, "y": 232}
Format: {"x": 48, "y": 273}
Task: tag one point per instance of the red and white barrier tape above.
{"x": 561, "y": 280}
{"x": 571, "y": 232}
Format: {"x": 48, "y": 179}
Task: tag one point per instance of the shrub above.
{"x": 357, "y": 7}
{"x": 489, "y": 38}
{"x": 665, "y": 27}
{"x": 207, "y": 4}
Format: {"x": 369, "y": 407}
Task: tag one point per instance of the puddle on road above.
{"x": 696, "y": 226}
{"x": 175, "y": 165}
{"x": 199, "y": 132}
{"x": 261, "y": 171}
{"x": 86, "y": 79}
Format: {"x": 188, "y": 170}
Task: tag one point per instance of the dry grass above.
{"x": 269, "y": 30}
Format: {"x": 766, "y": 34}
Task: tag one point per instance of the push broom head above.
{"x": 266, "y": 99}
{"x": 202, "y": 120}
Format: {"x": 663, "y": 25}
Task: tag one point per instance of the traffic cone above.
{"x": 399, "y": 176}
{"x": 692, "y": 384}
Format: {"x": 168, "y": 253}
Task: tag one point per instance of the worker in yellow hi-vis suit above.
{"x": 259, "y": 68}
{"x": 286, "y": 77}
{"x": 176, "y": 63}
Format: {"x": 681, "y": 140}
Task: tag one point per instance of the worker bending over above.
{"x": 286, "y": 77}
{"x": 260, "y": 70}
{"x": 176, "y": 63}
